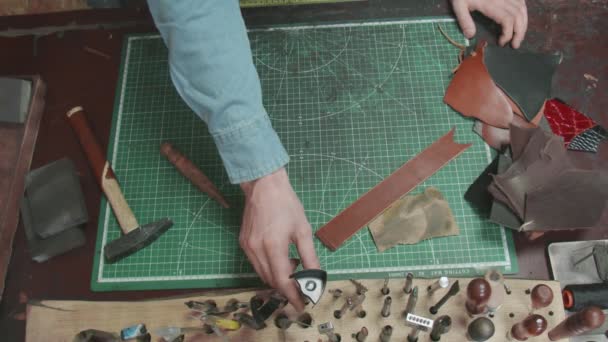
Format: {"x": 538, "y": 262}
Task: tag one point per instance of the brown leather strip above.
{"x": 94, "y": 152}
{"x": 380, "y": 197}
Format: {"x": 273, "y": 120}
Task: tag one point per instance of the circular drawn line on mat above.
{"x": 291, "y": 51}
{"x": 319, "y": 73}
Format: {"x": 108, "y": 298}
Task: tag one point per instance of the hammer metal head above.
{"x": 135, "y": 240}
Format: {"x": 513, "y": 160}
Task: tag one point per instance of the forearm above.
{"x": 212, "y": 69}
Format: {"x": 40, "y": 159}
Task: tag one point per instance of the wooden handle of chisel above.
{"x": 102, "y": 170}
{"x": 191, "y": 172}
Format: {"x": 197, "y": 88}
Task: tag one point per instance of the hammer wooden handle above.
{"x": 191, "y": 172}
{"x": 102, "y": 170}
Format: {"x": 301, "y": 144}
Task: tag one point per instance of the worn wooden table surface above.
{"x": 77, "y": 76}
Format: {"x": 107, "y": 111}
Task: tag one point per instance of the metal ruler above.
{"x": 267, "y": 3}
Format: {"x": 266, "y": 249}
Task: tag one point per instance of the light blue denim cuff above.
{"x": 251, "y": 151}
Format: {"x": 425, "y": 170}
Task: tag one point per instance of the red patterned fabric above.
{"x": 565, "y": 121}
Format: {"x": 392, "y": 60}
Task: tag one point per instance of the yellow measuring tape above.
{"x": 265, "y": 3}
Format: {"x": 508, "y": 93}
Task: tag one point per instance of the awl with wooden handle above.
{"x": 192, "y": 173}
{"x": 135, "y": 237}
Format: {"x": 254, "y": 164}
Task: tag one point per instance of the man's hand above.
{"x": 512, "y": 15}
{"x": 274, "y": 218}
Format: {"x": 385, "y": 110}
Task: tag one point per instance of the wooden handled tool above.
{"x": 135, "y": 236}
{"x": 191, "y": 172}
{"x": 101, "y": 168}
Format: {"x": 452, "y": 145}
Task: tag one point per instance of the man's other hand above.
{"x": 512, "y": 16}
{"x": 274, "y": 218}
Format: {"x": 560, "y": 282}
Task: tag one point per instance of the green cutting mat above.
{"x": 351, "y": 102}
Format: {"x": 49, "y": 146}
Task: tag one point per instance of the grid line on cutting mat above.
{"x": 351, "y": 103}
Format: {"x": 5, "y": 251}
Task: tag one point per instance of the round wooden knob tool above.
{"x": 541, "y": 296}
{"x": 481, "y": 329}
{"x": 531, "y": 326}
{"x": 587, "y": 319}
{"x": 478, "y": 294}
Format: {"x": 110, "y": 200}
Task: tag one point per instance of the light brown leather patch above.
{"x": 413, "y": 219}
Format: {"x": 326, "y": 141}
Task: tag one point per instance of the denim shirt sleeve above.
{"x": 212, "y": 69}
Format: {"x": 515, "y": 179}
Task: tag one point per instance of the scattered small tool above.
{"x": 440, "y": 283}
{"x": 418, "y": 324}
{"x": 454, "y": 289}
{"x": 348, "y": 303}
{"x": 407, "y": 177}
{"x": 481, "y": 329}
{"x": 359, "y": 312}
{"x": 496, "y": 281}
{"x": 361, "y": 335}
{"x": 311, "y": 283}
{"x": 442, "y": 326}
{"x": 191, "y": 172}
{"x": 174, "y": 333}
{"x": 385, "y": 290}
{"x": 233, "y": 304}
{"x": 541, "y": 297}
{"x": 261, "y": 311}
{"x": 360, "y": 288}
{"x": 533, "y": 325}
{"x": 136, "y": 331}
{"x": 336, "y": 293}
{"x": 248, "y": 320}
{"x": 386, "y": 333}
{"x": 209, "y": 306}
{"x": 386, "y": 307}
{"x": 507, "y": 289}
{"x": 283, "y": 322}
{"x": 587, "y": 319}
{"x": 135, "y": 236}
{"x": 478, "y": 294}
{"x": 409, "y": 280}
{"x": 411, "y": 302}
{"x": 222, "y": 323}
{"x": 93, "y": 335}
{"x": 327, "y": 329}
{"x": 580, "y": 296}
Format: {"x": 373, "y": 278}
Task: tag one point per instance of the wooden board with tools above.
{"x": 62, "y": 320}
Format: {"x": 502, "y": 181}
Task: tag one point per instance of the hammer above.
{"x": 135, "y": 237}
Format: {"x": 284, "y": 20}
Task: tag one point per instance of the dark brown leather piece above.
{"x": 574, "y": 199}
{"x": 399, "y": 183}
{"x": 473, "y": 93}
{"x": 536, "y": 167}
{"x": 520, "y": 136}
{"x": 524, "y": 75}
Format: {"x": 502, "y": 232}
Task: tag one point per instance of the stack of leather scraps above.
{"x": 541, "y": 186}
{"x": 502, "y": 87}
{"x": 536, "y": 183}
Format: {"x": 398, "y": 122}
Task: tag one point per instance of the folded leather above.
{"x": 575, "y": 199}
{"x": 545, "y": 188}
{"x": 473, "y": 93}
